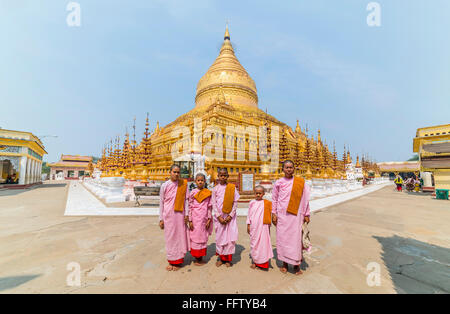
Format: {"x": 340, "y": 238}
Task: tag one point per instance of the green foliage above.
{"x": 414, "y": 158}
{"x": 45, "y": 168}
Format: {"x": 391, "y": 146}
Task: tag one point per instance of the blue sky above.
{"x": 316, "y": 61}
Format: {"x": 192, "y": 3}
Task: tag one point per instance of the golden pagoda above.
{"x": 125, "y": 160}
{"x": 226, "y": 97}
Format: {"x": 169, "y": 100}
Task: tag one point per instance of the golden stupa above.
{"x": 226, "y": 96}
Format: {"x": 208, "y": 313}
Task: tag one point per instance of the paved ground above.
{"x": 407, "y": 235}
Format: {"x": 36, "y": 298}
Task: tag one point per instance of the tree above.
{"x": 45, "y": 168}
{"x": 414, "y": 158}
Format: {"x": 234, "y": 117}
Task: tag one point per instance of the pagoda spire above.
{"x": 344, "y": 163}
{"x": 297, "y": 128}
{"x": 125, "y": 160}
{"x": 358, "y": 165}
{"x": 133, "y": 144}
{"x": 307, "y": 158}
{"x": 227, "y": 33}
{"x": 146, "y": 144}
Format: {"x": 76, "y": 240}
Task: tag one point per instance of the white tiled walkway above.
{"x": 80, "y": 202}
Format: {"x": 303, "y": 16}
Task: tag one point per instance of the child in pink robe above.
{"x": 200, "y": 226}
{"x": 225, "y": 225}
{"x": 289, "y": 226}
{"x": 260, "y": 245}
{"x": 173, "y": 222}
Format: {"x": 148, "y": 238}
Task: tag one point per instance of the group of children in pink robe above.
{"x": 189, "y": 229}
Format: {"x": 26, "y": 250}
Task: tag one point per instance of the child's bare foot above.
{"x": 169, "y": 268}
{"x": 252, "y": 266}
{"x": 199, "y": 262}
{"x": 297, "y": 270}
{"x": 284, "y": 268}
{"x": 175, "y": 268}
{"x": 219, "y": 263}
{"x": 228, "y": 264}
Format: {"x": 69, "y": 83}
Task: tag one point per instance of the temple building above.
{"x": 404, "y": 168}
{"x": 71, "y": 167}
{"x": 21, "y": 156}
{"x": 224, "y": 129}
{"x": 432, "y": 144}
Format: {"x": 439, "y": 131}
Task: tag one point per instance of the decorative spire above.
{"x": 125, "y": 156}
{"x": 297, "y": 128}
{"x": 227, "y": 33}
{"x": 297, "y": 155}
{"x": 146, "y": 145}
{"x": 284, "y": 150}
{"x": 318, "y": 161}
{"x": 358, "y": 165}
{"x": 335, "y": 158}
{"x": 344, "y": 160}
{"x": 133, "y": 144}
{"x": 307, "y": 158}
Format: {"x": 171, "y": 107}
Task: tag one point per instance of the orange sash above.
{"x": 267, "y": 220}
{"x": 202, "y": 195}
{"x": 296, "y": 195}
{"x": 228, "y": 198}
{"x": 181, "y": 196}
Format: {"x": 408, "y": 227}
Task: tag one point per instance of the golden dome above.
{"x": 227, "y": 80}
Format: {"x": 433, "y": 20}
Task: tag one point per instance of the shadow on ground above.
{"x": 8, "y": 192}
{"x": 15, "y": 281}
{"x": 416, "y": 267}
{"x": 50, "y": 185}
{"x": 211, "y": 252}
{"x": 303, "y": 266}
{"x": 419, "y": 194}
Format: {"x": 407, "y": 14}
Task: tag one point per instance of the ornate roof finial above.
{"x": 358, "y": 165}
{"x": 227, "y": 33}
{"x": 297, "y": 128}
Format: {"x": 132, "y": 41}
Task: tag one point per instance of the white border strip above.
{"x": 80, "y": 202}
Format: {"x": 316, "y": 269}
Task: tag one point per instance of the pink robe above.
{"x": 289, "y": 227}
{"x": 260, "y": 245}
{"x": 199, "y": 213}
{"x": 226, "y": 235}
{"x": 175, "y": 230}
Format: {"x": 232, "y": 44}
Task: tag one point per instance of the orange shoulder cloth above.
{"x": 228, "y": 198}
{"x": 202, "y": 195}
{"x": 267, "y": 220}
{"x": 180, "y": 198}
{"x": 296, "y": 196}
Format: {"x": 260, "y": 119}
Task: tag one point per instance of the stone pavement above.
{"x": 407, "y": 235}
